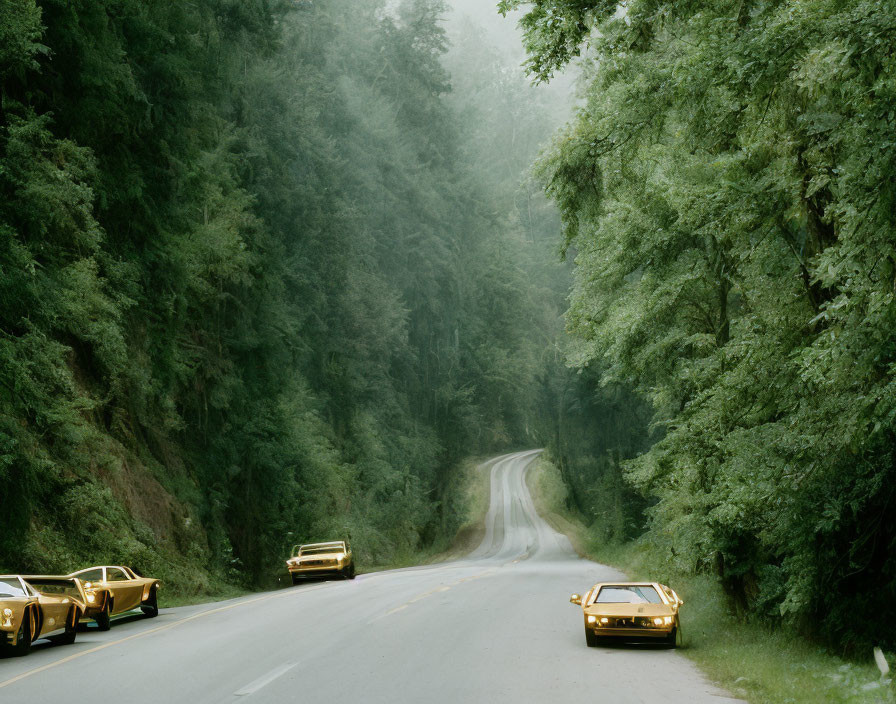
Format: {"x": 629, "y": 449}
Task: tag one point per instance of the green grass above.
{"x": 752, "y": 661}
{"x": 222, "y": 594}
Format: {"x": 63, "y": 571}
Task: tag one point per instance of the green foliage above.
{"x": 727, "y": 191}
{"x": 253, "y": 292}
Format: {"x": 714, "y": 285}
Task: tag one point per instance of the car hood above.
{"x": 629, "y": 610}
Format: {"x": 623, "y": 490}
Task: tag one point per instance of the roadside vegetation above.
{"x": 469, "y": 499}
{"x": 760, "y": 662}
{"x": 727, "y": 191}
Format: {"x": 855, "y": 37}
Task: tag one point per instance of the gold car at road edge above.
{"x": 33, "y": 607}
{"x": 643, "y": 611}
{"x": 112, "y": 590}
{"x": 318, "y": 559}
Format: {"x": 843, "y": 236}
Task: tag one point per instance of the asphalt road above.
{"x": 493, "y": 627}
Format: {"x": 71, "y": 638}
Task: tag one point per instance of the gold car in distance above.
{"x": 38, "y": 607}
{"x": 320, "y": 559}
{"x": 114, "y": 590}
{"x": 644, "y": 611}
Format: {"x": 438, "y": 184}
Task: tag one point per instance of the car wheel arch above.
{"x": 35, "y": 616}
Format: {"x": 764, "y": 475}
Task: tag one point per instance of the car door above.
{"x": 128, "y": 592}
{"x": 53, "y": 614}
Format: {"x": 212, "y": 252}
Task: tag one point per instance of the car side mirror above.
{"x": 575, "y": 599}
{"x": 680, "y": 602}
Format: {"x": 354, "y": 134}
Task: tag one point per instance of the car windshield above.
{"x": 319, "y": 549}
{"x": 90, "y": 575}
{"x": 11, "y": 587}
{"x": 628, "y": 595}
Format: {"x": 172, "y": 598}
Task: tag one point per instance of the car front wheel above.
{"x": 104, "y": 618}
{"x": 71, "y": 630}
{"x": 590, "y": 638}
{"x": 671, "y": 638}
{"x": 150, "y": 607}
{"x": 23, "y": 638}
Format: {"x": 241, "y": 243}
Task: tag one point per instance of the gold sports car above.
{"x": 316, "y": 559}
{"x": 38, "y": 607}
{"x": 114, "y": 590}
{"x": 642, "y": 611}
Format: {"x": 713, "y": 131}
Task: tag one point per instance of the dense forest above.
{"x": 264, "y": 278}
{"x": 727, "y": 190}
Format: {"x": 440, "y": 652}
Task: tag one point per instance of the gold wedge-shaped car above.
{"x": 114, "y": 590}
{"x": 33, "y": 607}
{"x": 321, "y": 559}
{"x": 630, "y": 611}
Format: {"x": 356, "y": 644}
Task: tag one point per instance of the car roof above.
{"x": 332, "y": 543}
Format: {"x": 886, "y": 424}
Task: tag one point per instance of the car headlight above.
{"x": 91, "y": 597}
{"x": 667, "y": 620}
{"x": 592, "y": 619}
{"x": 658, "y": 621}
{"x": 7, "y": 618}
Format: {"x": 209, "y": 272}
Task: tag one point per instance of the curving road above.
{"x": 493, "y": 627}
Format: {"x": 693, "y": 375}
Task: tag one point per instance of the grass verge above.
{"x": 180, "y": 599}
{"x": 752, "y": 661}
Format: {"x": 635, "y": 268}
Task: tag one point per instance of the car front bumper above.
{"x": 639, "y": 633}
{"x": 8, "y": 635}
{"x": 317, "y": 570}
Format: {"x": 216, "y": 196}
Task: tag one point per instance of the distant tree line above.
{"x": 251, "y": 290}
{"x": 728, "y": 194}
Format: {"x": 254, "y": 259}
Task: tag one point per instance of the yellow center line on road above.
{"x": 208, "y": 612}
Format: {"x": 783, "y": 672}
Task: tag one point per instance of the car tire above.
{"x": 672, "y": 638}
{"x": 591, "y": 639}
{"x": 104, "y": 618}
{"x": 295, "y": 580}
{"x": 350, "y": 571}
{"x": 23, "y": 639}
{"x": 71, "y": 630}
{"x": 150, "y": 607}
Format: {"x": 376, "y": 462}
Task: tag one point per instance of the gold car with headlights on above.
{"x": 114, "y": 590}
{"x": 630, "y": 611}
{"x": 321, "y": 559}
{"x": 38, "y": 607}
